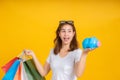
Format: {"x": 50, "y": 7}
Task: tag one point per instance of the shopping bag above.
{"x": 18, "y": 73}
{"x": 23, "y": 72}
{"x": 11, "y": 72}
{"x": 21, "y": 68}
{"x": 31, "y": 70}
{"x": 6, "y": 67}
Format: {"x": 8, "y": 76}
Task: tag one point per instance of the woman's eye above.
{"x": 63, "y": 31}
{"x": 69, "y": 31}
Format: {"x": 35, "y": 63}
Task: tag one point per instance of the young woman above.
{"x": 66, "y": 60}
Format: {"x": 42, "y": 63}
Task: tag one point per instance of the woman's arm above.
{"x": 42, "y": 70}
{"x": 80, "y": 65}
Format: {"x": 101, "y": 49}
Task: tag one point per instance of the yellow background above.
{"x": 32, "y": 24}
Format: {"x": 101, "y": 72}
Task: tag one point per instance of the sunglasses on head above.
{"x": 63, "y": 21}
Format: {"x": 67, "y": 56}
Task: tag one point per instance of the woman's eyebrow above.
{"x": 69, "y": 29}
{"x": 62, "y": 29}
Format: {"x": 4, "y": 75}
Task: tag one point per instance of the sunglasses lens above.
{"x": 70, "y": 22}
{"x": 62, "y": 22}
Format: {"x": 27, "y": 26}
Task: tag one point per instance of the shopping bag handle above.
{"x": 23, "y": 56}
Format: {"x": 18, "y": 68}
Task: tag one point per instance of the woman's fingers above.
{"x": 26, "y": 51}
{"x": 92, "y": 49}
{"x": 88, "y": 50}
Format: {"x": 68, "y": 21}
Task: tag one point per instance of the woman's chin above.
{"x": 66, "y": 43}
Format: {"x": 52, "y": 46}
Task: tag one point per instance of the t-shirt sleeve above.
{"x": 78, "y": 55}
{"x": 49, "y": 56}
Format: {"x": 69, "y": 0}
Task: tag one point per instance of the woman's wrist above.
{"x": 84, "y": 54}
{"x": 33, "y": 55}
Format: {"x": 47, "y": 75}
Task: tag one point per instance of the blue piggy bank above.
{"x": 90, "y": 43}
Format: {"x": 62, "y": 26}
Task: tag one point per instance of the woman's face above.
{"x": 66, "y": 34}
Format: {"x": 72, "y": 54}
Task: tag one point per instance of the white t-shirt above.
{"x": 63, "y": 67}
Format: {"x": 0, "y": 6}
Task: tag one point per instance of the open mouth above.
{"x": 66, "y": 39}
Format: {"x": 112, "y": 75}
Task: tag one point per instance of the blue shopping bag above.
{"x": 12, "y": 71}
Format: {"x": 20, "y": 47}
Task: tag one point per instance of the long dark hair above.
{"x": 58, "y": 42}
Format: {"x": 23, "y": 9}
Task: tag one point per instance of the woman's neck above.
{"x": 66, "y": 47}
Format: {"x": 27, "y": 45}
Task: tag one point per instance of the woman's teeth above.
{"x": 66, "y": 39}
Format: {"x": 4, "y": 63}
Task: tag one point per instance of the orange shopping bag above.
{"x": 18, "y": 73}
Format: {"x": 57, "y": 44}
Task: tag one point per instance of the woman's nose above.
{"x": 66, "y": 33}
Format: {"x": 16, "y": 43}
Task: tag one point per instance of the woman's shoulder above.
{"x": 51, "y": 51}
